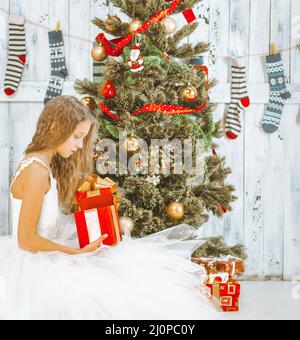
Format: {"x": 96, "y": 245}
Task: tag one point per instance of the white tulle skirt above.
{"x": 146, "y": 279}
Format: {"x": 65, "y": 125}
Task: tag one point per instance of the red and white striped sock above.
{"x": 16, "y": 56}
{"x": 239, "y": 99}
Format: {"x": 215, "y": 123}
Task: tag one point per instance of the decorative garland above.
{"x": 121, "y": 43}
{"x": 118, "y": 50}
{"x": 163, "y": 108}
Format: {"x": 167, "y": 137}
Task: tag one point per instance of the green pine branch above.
{"x": 112, "y": 25}
{"x": 86, "y": 87}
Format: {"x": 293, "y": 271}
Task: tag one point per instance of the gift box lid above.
{"x": 95, "y": 199}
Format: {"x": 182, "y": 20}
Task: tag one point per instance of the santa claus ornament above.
{"x": 136, "y": 61}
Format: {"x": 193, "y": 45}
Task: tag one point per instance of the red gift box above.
{"x": 97, "y": 205}
{"x": 227, "y": 295}
{"x": 92, "y": 224}
{"x": 189, "y": 15}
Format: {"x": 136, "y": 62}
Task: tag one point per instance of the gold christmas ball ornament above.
{"x": 135, "y": 25}
{"x": 188, "y": 94}
{"x": 126, "y": 225}
{"x": 132, "y": 144}
{"x": 99, "y": 53}
{"x": 170, "y": 25}
{"x": 175, "y": 211}
{"x": 89, "y": 103}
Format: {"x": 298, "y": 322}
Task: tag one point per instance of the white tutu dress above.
{"x": 151, "y": 278}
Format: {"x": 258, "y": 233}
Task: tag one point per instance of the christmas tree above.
{"x": 152, "y": 90}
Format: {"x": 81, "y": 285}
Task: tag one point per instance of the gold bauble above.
{"x": 89, "y": 103}
{"x": 99, "y": 53}
{"x": 126, "y": 225}
{"x": 132, "y": 144}
{"x": 135, "y": 25}
{"x": 175, "y": 211}
{"x": 170, "y": 25}
{"x": 188, "y": 94}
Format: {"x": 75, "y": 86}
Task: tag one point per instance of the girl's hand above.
{"x": 94, "y": 246}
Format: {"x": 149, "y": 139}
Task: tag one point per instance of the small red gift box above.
{"x": 92, "y": 224}
{"x": 227, "y": 295}
{"x": 189, "y": 15}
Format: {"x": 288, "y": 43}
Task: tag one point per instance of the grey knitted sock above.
{"x": 278, "y": 95}
{"x": 239, "y": 99}
{"x": 17, "y": 55}
{"x": 59, "y": 70}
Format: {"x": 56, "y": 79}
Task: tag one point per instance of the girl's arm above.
{"x": 36, "y": 184}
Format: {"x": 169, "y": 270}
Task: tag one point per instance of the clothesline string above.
{"x": 263, "y": 54}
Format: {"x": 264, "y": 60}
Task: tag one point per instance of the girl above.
{"x": 46, "y": 276}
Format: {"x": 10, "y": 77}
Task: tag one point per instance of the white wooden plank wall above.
{"x": 265, "y": 167}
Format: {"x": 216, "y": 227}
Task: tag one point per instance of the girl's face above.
{"x": 75, "y": 142}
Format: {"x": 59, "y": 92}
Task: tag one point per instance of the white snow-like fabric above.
{"x": 151, "y": 278}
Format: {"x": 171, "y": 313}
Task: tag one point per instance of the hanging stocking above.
{"x": 59, "y": 70}
{"x": 239, "y": 99}
{"x": 16, "y": 56}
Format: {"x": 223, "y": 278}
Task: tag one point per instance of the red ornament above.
{"x": 223, "y": 209}
{"x": 108, "y": 91}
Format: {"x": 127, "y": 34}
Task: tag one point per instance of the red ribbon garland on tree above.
{"x": 164, "y": 108}
{"x": 118, "y": 49}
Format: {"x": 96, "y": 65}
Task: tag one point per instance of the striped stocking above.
{"x": 239, "y": 99}
{"x": 16, "y": 56}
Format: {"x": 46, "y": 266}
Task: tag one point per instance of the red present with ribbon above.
{"x": 227, "y": 295}
{"x": 92, "y": 224}
{"x": 97, "y": 211}
{"x": 96, "y": 193}
{"x": 220, "y": 272}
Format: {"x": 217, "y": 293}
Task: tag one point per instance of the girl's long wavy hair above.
{"x": 66, "y": 113}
